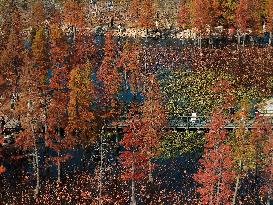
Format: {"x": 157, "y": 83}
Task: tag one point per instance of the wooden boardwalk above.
{"x": 196, "y": 123}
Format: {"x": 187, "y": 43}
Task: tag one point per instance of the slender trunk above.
{"x": 150, "y": 139}
{"x": 218, "y": 187}
{"x": 257, "y": 201}
{"x": 36, "y": 165}
{"x": 133, "y": 196}
{"x": 37, "y": 172}
{"x": 59, "y": 168}
{"x": 270, "y": 37}
{"x": 200, "y": 41}
{"x": 101, "y": 166}
{"x": 58, "y": 160}
{"x": 238, "y": 40}
{"x": 237, "y": 184}
{"x": 150, "y": 171}
{"x": 125, "y": 77}
{"x": 270, "y": 182}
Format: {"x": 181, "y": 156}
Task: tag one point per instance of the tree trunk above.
{"x": 58, "y": 161}
{"x": 256, "y": 192}
{"x": 36, "y": 165}
{"x": 270, "y": 37}
{"x": 238, "y": 39}
{"x": 270, "y": 181}
{"x": 59, "y": 169}
{"x": 237, "y": 184}
{"x": 133, "y": 197}
{"x": 37, "y": 173}
{"x": 150, "y": 171}
{"x": 218, "y": 186}
{"x": 101, "y": 166}
{"x": 200, "y": 41}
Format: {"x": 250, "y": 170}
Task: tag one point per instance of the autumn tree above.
{"x": 215, "y": 175}
{"x": 107, "y": 72}
{"x": 81, "y": 94}
{"x": 134, "y": 12}
{"x": 242, "y": 147}
{"x": 58, "y": 119}
{"x": 147, "y": 13}
{"x": 183, "y": 17}
{"x": 197, "y": 96}
{"x": 38, "y": 14}
{"x": 153, "y": 118}
{"x": 228, "y": 8}
{"x": 247, "y": 16}
{"x": 133, "y": 159}
{"x": 73, "y": 16}
{"x": 29, "y": 112}
{"x": 201, "y": 17}
{"x": 129, "y": 62}
{"x": 261, "y": 139}
{"x": 269, "y": 18}
{"x": 12, "y": 56}
{"x": 40, "y": 58}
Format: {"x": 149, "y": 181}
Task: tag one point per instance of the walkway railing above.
{"x": 199, "y": 122}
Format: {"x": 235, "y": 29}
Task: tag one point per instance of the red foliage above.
{"x": 201, "y": 14}
{"x": 262, "y": 138}
{"x": 133, "y": 155}
{"x": 2, "y": 169}
{"x": 269, "y": 10}
{"x": 147, "y": 14}
{"x": 248, "y": 15}
{"x": 183, "y": 17}
{"x": 128, "y": 60}
{"x": 224, "y": 88}
{"x": 215, "y": 175}
{"x": 73, "y": 14}
{"x": 107, "y": 72}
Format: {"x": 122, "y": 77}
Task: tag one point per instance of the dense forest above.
{"x": 136, "y": 102}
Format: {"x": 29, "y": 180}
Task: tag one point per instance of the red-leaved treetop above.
{"x": 147, "y": 12}
{"x": 129, "y": 62}
{"x": 107, "y": 72}
{"x": 262, "y": 135}
{"x": 153, "y": 119}
{"x": 73, "y": 16}
{"x": 248, "y": 15}
{"x": 134, "y": 12}
{"x": 215, "y": 176}
{"x": 183, "y": 16}
{"x": 80, "y": 97}
{"x": 201, "y": 14}
{"x": 38, "y": 14}
{"x": 133, "y": 158}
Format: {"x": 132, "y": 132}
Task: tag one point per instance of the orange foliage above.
{"x": 183, "y": 17}
{"x": 2, "y": 169}
{"x": 107, "y": 72}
